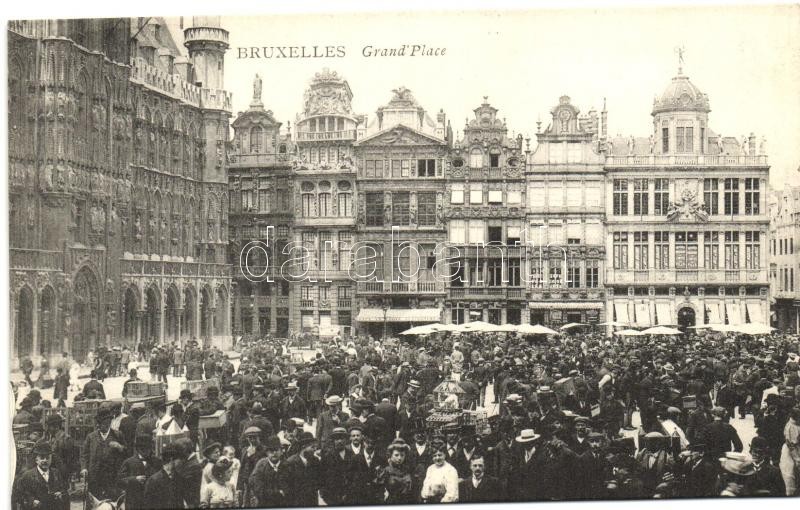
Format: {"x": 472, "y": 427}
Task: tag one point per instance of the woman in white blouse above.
{"x": 441, "y": 480}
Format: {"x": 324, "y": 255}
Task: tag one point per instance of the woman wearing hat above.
{"x": 441, "y": 479}
{"x": 396, "y": 476}
{"x": 219, "y": 492}
{"x": 211, "y": 454}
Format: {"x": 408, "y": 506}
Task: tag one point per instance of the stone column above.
{"x": 179, "y": 314}
{"x": 35, "y": 328}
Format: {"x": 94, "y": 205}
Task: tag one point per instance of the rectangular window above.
{"x": 426, "y": 208}
{"x": 400, "y": 208}
{"x": 752, "y": 250}
{"x": 702, "y": 140}
{"x": 574, "y": 274}
{"x": 620, "y": 197}
{"x": 537, "y": 276}
{"x": 731, "y": 196}
{"x": 305, "y": 292}
{"x": 309, "y": 204}
{"x": 689, "y": 140}
{"x": 494, "y": 160}
{"x": 640, "y": 250}
{"x": 556, "y": 281}
{"x": 661, "y": 246}
{"x": 686, "y": 250}
{"x": 620, "y": 250}
{"x": 476, "y": 193}
{"x": 396, "y": 168}
{"x": 513, "y": 272}
{"x": 477, "y": 232}
{"x": 495, "y": 234}
{"x": 458, "y": 234}
{"x": 263, "y": 201}
{"x": 494, "y": 272}
{"x": 343, "y": 292}
{"x": 536, "y": 195}
{"x": 711, "y": 250}
{"x": 555, "y": 194}
{"x": 679, "y": 139}
{"x": 457, "y": 194}
{"x": 512, "y": 235}
{"x": 324, "y": 204}
{"x": 574, "y": 194}
{"x": 326, "y": 250}
{"x": 495, "y": 197}
{"x": 374, "y": 209}
{"x": 426, "y": 168}
{"x": 402, "y": 262}
{"x": 751, "y": 196}
{"x": 711, "y": 195}
{"x": 345, "y": 239}
{"x": 592, "y": 273}
{"x": 345, "y": 204}
{"x": 640, "y": 196}
{"x": 405, "y": 169}
{"x": 665, "y": 140}
{"x": 661, "y": 197}
{"x": 731, "y": 250}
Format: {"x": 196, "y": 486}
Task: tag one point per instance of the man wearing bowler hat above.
{"x": 266, "y": 482}
{"x": 101, "y": 456}
{"x": 135, "y": 471}
{"x": 292, "y": 404}
{"x": 767, "y": 480}
{"x": 302, "y": 473}
{"x": 41, "y": 486}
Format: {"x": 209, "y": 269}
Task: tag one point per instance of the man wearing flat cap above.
{"x": 767, "y": 480}
{"x": 252, "y": 453}
{"x": 336, "y": 462}
{"x": 331, "y": 418}
{"x": 41, "y": 486}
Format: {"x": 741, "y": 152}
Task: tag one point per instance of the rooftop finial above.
{"x": 680, "y": 50}
{"x": 256, "y": 93}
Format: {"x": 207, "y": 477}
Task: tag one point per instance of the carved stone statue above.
{"x": 257, "y": 89}
{"x": 745, "y": 146}
{"x": 762, "y": 149}
{"x": 720, "y": 145}
{"x": 631, "y": 144}
{"x": 609, "y": 147}
{"x": 137, "y": 227}
{"x": 387, "y": 213}
{"x": 652, "y": 144}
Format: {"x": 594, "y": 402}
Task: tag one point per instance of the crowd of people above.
{"x": 569, "y": 417}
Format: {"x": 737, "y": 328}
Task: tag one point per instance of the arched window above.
{"x": 256, "y": 135}
{"x": 476, "y": 158}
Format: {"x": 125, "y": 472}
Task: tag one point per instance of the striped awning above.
{"x": 425, "y": 315}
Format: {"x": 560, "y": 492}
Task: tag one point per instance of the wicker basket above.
{"x": 138, "y": 389}
{"x": 156, "y": 389}
{"x": 200, "y": 387}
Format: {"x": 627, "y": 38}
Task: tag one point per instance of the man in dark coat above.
{"x": 61, "y": 387}
{"x": 335, "y": 469}
{"x": 365, "y": 466}
{"x": 162, "y": 489}
{"x": 252, "y": 453}
{"x": 720, "y": 437}
{"x": 292, "y": 406}
{"x": 480, "y": 487}
{"x": 699, "y": 472}
{"x": 101, "y": 456}
{"x": 267, "y": 482}
{"x": 94, "y": 388}
{"x": 387, "y": 410}
{"x": 42, "y": 487}
{"x": 767, "y": 481}
{"x": 591, "y": 470}
{"x": 65, "y": 451}
{"x": 319, "y": 385}
{"x": 330, "y": 418}
{"x": 189, "y": 472}
{"x": 302, "y": 473}
{"x": 136, "y": 470}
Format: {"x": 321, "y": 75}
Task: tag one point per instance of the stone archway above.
{"x": 130, "y": 307}
{"x": 188, "y": 329}
{"x": 686, "y": 317}
{"x": 205, "y": 316}
{"x": 23, "y": 333}
{"x": 221, "y": 312}
{"x": 85, "y": 314}
{"x": 151, "y": 317}
{"x": 171, "y": 311}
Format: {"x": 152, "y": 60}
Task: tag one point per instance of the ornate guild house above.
{"x": 118, "y": 187}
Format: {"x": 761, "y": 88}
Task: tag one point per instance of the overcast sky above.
{"x": 747, "y": 59}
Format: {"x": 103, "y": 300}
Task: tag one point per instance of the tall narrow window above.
{"x": 620, "y": 197}
{"x": 400, "y": 208}
{"x": 686, "y": 250}
{"x": 731, "y": 196}
{"x": 711, "y": 250}
{"x": 537, "y": 271}
{"x": 476, "y": 158}
{"x": 574, "y": 273}
{"x": 680, "y": 146}
{"x": 640, "y": 250}
{"x": 326, "y": 251}
{"x": 752, "y": 250}
{"x": 344, "y": 250}
{"x": 731, "y": 250}
{"x": 620, "y": 250}
{"x": 640, "y": 196}
{"x": 592, "y": 273}
{"x": 661, "y": 197}
{"x": 374, "y": 209}
{"x": 324, "y": 204}
{"x": 513, "y": 272}
{"x": 426, "y": 208}
{"x": 711, "y": 195}
{"x": 665, "y": 140}
{"x": 494, "y": 272}
{"x": 751, "y": 196}
{"x": 661, "y": 259}
{"x": 308, "y": 203}
{"x": 256, "y": 136}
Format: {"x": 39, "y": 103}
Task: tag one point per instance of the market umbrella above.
{"x": 629, "y": 332}
{"x": 754, "y": 328}
{"x": 536, "y": 329}
{"x": 507, "y": 328}
{"x": 480, "y": 326}
{"x": 616, "y": 324}
{"x": 702, "y": 326}
{"x": 661, "y": 330}
{"x": 422, "y": 330}
{"x": 724, "y": 328}
{"x": 572, "y": 325}
{"x": 446, "y": 327}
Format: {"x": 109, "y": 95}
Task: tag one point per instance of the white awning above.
{"x": 643, "y": 318}
{"x": 754, "y": 311}
{"x": 621, "y": 309}
{"x": 713, "y": 313}
{"x": 734, "y": 313}
{"x": 565, "y": 306}
{"x": 425, "y": 315}
{"x": 664, "y": 314}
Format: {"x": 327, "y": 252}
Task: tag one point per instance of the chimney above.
{"x": 604, "y": 122}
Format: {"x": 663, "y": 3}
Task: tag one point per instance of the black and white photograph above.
{"x": 378, "y": 257}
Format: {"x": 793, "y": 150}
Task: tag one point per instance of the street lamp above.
{"x": 385, "y": 309}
